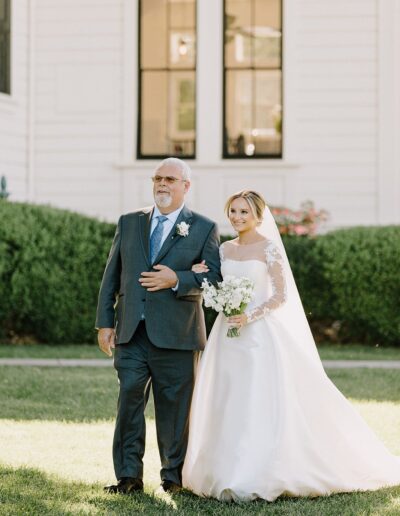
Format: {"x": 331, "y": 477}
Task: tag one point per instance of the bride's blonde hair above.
{"x": 255, "y": 200}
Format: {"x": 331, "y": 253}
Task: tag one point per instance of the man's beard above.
{"x": 163, "y": 200}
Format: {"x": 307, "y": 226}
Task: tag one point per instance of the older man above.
{"x": 150, "y": 311}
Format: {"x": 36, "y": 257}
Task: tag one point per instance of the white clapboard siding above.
{"x": 85, "y": 111}
{"x": 342, "y": 24}
{"x": 78, "y": 82}
{"x": 338, "y": 8}
{"x": 336, "y": 107}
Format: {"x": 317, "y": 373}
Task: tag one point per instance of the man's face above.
{"x": 169, "y": 188}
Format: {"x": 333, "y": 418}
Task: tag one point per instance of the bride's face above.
{"x": 241, "y": 217}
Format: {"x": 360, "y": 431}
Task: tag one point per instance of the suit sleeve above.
{"x": 190, "y": 282}
{"x": 110, "y": 283}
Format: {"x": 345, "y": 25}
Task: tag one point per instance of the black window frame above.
{"x": 225, "y": 154}
{"x": 5, "y": 61}
{"x": 139, "y": 155}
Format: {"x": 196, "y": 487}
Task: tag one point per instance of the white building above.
{"x": 78, "y": 131}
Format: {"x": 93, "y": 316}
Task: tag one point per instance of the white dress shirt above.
{"x": 168, "y": 224}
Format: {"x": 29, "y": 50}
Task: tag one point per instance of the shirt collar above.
{"x": 171, "y": 216}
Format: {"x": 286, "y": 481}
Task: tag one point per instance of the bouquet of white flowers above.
{"x": 231, "y": 297}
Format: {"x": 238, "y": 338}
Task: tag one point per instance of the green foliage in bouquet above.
{"x": 51, "y": 264}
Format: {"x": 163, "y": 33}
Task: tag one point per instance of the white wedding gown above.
{"x": 265, "y": 418}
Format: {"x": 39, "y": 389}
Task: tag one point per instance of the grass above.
{"x": 50, "y": 351}
{"x": 61, "y": 394}
{"x": 357, "y": 352}
{"x": 90, "y": 394}
{"x": 61, "y": 497}
{"x": 58, "y": 424}
{"x": 326, "y": 351}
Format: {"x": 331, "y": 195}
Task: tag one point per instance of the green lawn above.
{"x": 50, "y": 351}
{"x": 41, "y": 494}
{"x": 357, "y": 352}
{"x": 58, "y": 424}
{"x": 90, "y": 394}
{"x": 326, "y": 351}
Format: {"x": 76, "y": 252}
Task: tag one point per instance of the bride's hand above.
{"x": 199, "y": 268}
{"x": 237, "y": 321}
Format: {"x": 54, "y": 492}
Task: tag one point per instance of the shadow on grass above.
{"x": 30, "y": 491}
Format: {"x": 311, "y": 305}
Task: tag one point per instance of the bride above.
{"x": 265, "y": 418}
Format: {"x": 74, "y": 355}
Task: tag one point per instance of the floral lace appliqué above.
{"x": 221, "y": 252}
{"x": 275, "y": 267}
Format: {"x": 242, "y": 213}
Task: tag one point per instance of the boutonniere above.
{"x": 182, "y": 229}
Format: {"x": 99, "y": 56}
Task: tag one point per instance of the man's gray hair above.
{"x": 176, "y": 163}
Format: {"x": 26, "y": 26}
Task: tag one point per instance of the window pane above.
{"x": 167, "y": 78}
{"x": 167, "y": 34}
{"x": 182, "y": 51}
{"x": 267, "y": 130}
{"x": 253, "y": 113}
{"x": 153, "y": 30}
{"x": 237, "y": 36}
{"x": 5, "y": 70}
{"x": 267, "y": 33}
{"x": 168, "y": 113}
{"x": 182, "y": 18}
{"x": 253, "y": 78}
{"x": 154, "y": 113}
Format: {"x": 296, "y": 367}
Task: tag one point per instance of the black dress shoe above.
{"x": 170, "y": 487}
{"x": 125, "y": 485}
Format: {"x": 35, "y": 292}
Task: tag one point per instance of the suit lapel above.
{"x": 145, "y": 221}
{"x": 184, "y": 216}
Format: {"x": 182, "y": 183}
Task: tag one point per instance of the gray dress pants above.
{"x": 171, "y": 374}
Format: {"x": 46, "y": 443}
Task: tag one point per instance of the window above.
{"x": 5, "y": 70}
{"x": 252, "y": 79}
{"x": 167, "y": 87}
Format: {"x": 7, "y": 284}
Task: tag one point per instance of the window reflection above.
{"x": 167, "y": 78}
{"x": 253, "y": 78}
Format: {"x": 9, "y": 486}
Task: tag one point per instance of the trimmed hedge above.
{"x": 52, "y": 261}
{"x": 51, "y": 264}
{"x": 359, "y": 274}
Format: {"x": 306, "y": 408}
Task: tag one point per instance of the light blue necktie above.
{"x": 156, "y": 237}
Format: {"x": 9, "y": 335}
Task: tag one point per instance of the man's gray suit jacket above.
{"x": 174, "y": 320}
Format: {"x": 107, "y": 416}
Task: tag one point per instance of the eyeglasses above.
{"x": 170, "y": 180}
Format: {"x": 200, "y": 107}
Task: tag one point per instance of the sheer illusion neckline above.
{"x": 245, "y": 252}
{"x": 246, "y": 260}
{"x": 232, "y": 242}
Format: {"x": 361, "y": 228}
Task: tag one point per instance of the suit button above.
{"x": 143, "y": 300}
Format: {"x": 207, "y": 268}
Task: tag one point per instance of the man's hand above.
{"x": 106, "y": 339}
{"x": 163, "y": 278}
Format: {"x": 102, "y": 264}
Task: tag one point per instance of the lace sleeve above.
{"x": 221, "y": 252}
{"x": 275, "y": 269}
